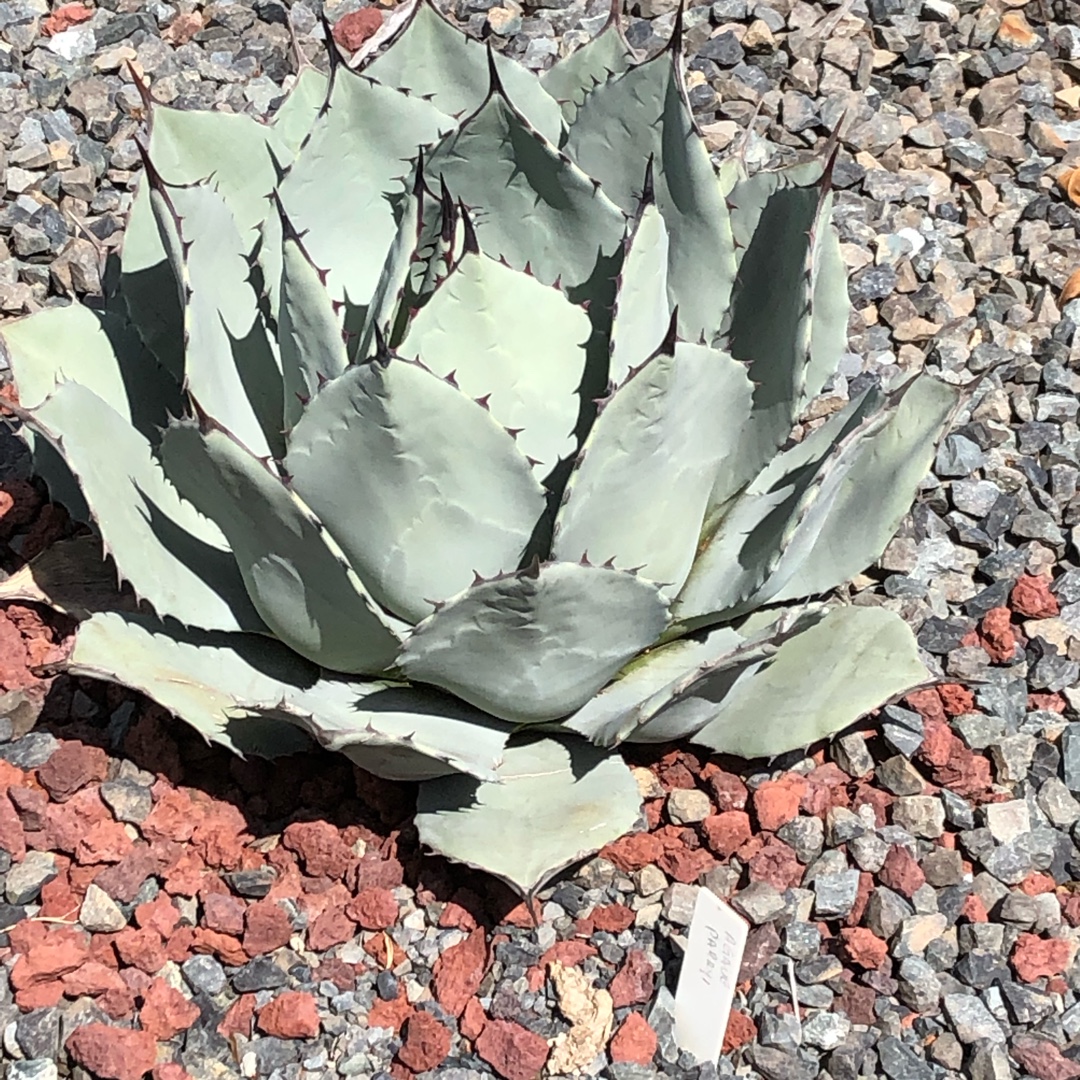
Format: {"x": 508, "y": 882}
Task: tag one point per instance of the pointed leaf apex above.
{"x": 495, "y": 86}
{"x": 675, "y": 44}
{"x": 419, "y": 187}
{"x": 471, "y": 245}
{"x": 141, "y": 86}
{"x": 382, "y": 350}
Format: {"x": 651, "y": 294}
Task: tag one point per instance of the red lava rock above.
{"x": 122, "y": 880}
{"x": 30, "y": 805}
{"x": 142, "y": 949}
{"x": 226, "y": 948}
{"x": 997, "y": 635}
{"x": 862, "y": 898}
{"x": 727, "y": 790}
{"x": 427, "y": 1043}
{"x": 92, "y": 978}
{"x": 165, "y": 1011}
{"x": 856, "y": 1003}
{"x": 684, "y": 864}
{"x": 14, "y": 664}
{"x": 1034, "y": 957}
{"x": 973, "y": 909}
{"x": 158, "y": 914}
{"x": 927, "y": 703}
{"x": 224, "y": 914}
{"x": 113, "y": 1053}
{"x": 726, "y": 832}
{"x": 776, "y": 802}
{"x": 342, "y": 975}
{"x": 320, "y": 847}
{"x": 956, "y": 699}
{"x": 777, "y": 864}
{"x": 678, "y": 770}
{"x": 170, "y": 1071}
{"x": 390, "y": 1014}
{"x": 459, "y": 971}
{"x": 103, "y": 842}
{"x": 901, "y": 873}
{"x": 12, "y": 839}
{"x": 762, "y": 944}
{"x": 373, "y": 909}
{"x": 826, "y": 787}
{"x": 63, "y": 18}
{"x": 740, "y": 1030}
{"x": 1035, "y": 884}
{"x": 1032, "y": 598}
{"x": 45, "y": 995}
{"x": 352, "y": 30}
{"x": 864, "y": 948}
{"x": 880, "y": 801}
{"x": 376, "y": 873}
{"x": 634, "y": 1042}
{"x": 332, "y": 927}
{"x": 240, "y": 1017}
{"x": 71, "y": 767}
{"x": 513, "y": 1051}
{"x": 1042, "y": 1059}
{"x": 1050, "y": 702}
{"x": 612, "y": 918}
{"x": 1070, "y": 909}
{"x": 632, "y": 852}
{"x": 568, "y": 953}
{"x": 173, "y": 817}
{"x": 293, "y": 1014}
{"x": 65, "y": 823}
{"x": 266, "y": 927}
{"x": 185, "y": 874}
{"x": 472, "y": 1020}
{"x": 219, "y": 837}
{"x": 48, "y": 959}
{"x": 634, "y": 981}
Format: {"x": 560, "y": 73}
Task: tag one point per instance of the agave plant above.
{"x": 447, "y": 420}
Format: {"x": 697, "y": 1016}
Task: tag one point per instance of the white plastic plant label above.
{"x": 710, "y": 971}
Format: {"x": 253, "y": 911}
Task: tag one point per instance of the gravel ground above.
{"x": 911, "y": 884}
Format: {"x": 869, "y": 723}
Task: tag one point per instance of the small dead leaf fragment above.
{"x": 591, "y": 1016}
{"x": 1071, "y": 289}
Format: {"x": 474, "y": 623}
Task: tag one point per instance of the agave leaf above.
{"x": 504, "y": 337}
{"x": 188, "y": 147}
{"x": 818, "y": 682}
{"x": 601, "y": 58}
{"x": 71, "y": 576}
{"x": 429, "y": 58}
{"x": 443, "y": 494}
{"x": 874, "y": 490}
{"x": 149, "y": 286}
{"x": 229, "y": 366}
{"x": 295, "y": 574}
{"x": 642, "y": 309}
{"x": 757, "y": 527}
{"x": 390, "y": 293}
{"x": 790, "y": 267}
{"x": 608, "y": 717}
{"x": 536, "y": 645}
{"x": 97, "y": 349}
{"x": 639, "y": 491}
{"x": 309, "y": 331}
{"x": 366, "y": 139}
{"x": 532, "y": 206}
{"x": 197, "y": 676}
{"x": 644, "y": 114}
{"x": 61, "y": 484}
{"x": 173, "y": 557}
{"x": 398, "y": 731}
{"x": 297, "y": 114}
{"x": 571, "y": 797}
